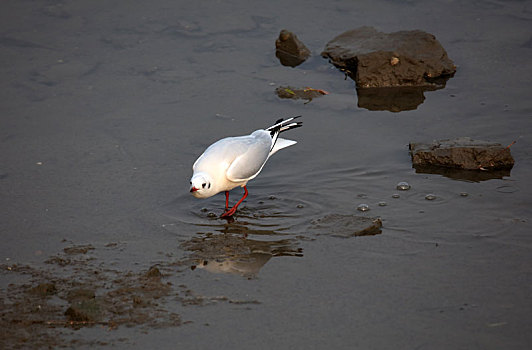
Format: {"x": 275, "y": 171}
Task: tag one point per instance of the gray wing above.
{"x": 252, "y": 154}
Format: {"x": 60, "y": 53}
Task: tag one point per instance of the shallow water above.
{"x": 105, "y": 108}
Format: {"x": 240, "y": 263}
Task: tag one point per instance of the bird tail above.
{"x": 282, "y": 125}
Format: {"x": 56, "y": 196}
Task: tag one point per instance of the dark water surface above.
{"x": 106, "y": 105}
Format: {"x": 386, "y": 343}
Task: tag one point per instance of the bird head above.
{"x": 200, "y": 186}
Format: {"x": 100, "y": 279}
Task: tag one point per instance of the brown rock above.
{"x": 154, "y": 273}
{"x": 376, "y": 59}
{"x": 462, "y": 153}
{"x": 290, "y": 50}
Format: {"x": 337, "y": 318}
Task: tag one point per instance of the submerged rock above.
{"x": 293, "y": 93}
{"x": 346, "y": 226}
{"x": 376, "y": 59}
{"x": 461, "y": 153}
{"x": 78, "y": 249}
{"x": 290, "y": 50}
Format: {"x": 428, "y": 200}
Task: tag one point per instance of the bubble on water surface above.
{"x": 464, "y": 194}
{"x": 430, "y": 197}
{"x": 403, "y": 186}
{"x": 395, "y": 195}
{"x": 382, "y": 204}
{"x": 363, "y": 207}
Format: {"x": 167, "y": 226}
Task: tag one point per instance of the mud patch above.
{"x": 74, "y": 289}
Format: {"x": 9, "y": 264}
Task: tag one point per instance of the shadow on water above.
{"x": 463, "y": 175}
{"x": 394, "y": 99}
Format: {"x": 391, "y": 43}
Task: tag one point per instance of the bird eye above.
{"x": 191, "y": 182}
{"x": 203, "y": 185}
{"x": 209, "y": 185}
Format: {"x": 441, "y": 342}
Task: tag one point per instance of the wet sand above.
{"x": 106, "y": 106}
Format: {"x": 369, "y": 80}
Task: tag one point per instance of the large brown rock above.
{"x": 376, "y": 59}
{"x": 462, "y": 153}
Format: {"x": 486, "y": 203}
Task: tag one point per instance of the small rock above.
{"x": 78, "y": 249}
{"x": 290, "y": 50}
{"x": 84, "y": 311}
{"x": 153, "y": 272}
{"x": 44, "y": 289}
{"x": 137, "y": 300}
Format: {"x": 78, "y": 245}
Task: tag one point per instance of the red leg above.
{"x": 226, "y": 200}
{"x": 233, "y": 209}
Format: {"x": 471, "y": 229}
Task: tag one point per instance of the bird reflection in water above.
{"x": 234, "y": 253}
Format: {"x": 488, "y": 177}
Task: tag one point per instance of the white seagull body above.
{"x": 233, "y": 161}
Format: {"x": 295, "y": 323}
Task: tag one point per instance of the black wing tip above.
{"x": 280, "y": 123}
{"x": 293, "y": 118}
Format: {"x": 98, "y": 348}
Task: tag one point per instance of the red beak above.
{"x": 193, "y": 189}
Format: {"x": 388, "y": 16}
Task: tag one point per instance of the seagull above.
{"x": 233, "y": 161}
